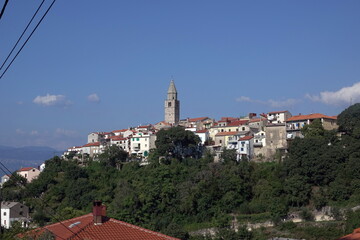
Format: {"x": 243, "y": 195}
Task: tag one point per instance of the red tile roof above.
{"x": 255, "y": 120}
{"x": 355, "y": 235}
{"x": 25, "y": 169}
{"x": 122, "y": 130}
{"x": 83, "y": 227}
{"x": 237, "y": 123}
{"x": 92, "y": 144}
{"x": 202, "y": 131}
{"x": 197, "y": 119}
{"x": 246, "y": 138}
{"x": 147, "y": 126}
{"x": 117, "y": 138}
{"x": 310, "y": 116}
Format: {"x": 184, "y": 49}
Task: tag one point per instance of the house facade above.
{"x": 296, "y": 123}
{"x": 278, "y": 117}
{"x": 141, "y": 143}
{"x": 14, "y": 211}
{"x": 30, "y": 173}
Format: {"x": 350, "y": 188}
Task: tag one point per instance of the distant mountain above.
{"x": 16, "y": 157}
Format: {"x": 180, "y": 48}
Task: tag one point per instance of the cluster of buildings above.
{"x": 255, "y": 136}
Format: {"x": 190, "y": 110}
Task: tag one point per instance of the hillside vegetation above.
{"x": 181, "y": 194}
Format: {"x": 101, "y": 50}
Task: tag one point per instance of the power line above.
{"x": 3, "y": 8}
{"x": 37, "y": 25}
{"x": 15, "y": 176}
{"x": 22, "y": 34}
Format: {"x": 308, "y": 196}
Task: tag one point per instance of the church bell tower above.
{"x": 172, "y": 105}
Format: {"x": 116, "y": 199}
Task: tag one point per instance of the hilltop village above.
{"x": 258, "y": 137}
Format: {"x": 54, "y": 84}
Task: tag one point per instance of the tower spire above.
{"x": 172, "y": 105}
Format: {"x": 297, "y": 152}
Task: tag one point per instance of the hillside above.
{"x": 17, "y": 157}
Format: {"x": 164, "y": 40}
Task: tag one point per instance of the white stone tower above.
{"x": 172, "y": 105}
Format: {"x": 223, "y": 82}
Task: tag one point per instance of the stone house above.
{"x": 296, "y": 123}
{"x": 14, "y": 211}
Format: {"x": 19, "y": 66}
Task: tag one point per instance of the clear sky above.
{"x": 106, "y": 65}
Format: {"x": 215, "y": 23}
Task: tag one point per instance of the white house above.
{"x": 245, "y": 147}
{"x": 5, "y": 178}
{"x": 120, "y": 141}
{"x": 29, "y": 173}
{"x": 141, "y": 143}
{"x": 91, "y": 148}
{"x": 278, "y": 117}
{"x": 14, "y": 211}
{"x": 260, "y": 139}
{"x": 203, "y": 135}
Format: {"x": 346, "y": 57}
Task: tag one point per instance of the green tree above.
{"x": 349, "y": 120}
{"x": 178, "y": 143}
{"x": 314, "y": 129}
{"x": 113, "y": 156}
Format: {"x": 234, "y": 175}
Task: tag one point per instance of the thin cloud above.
{"x": 34, "y": 133}
{"x": 272, "y": 103}
{"x": 93, "y": 98}
{"x": 63, "y": 132}
{"x": 19, "y": 131}
{"x": 343, "y": 96}
{"x": 51, "y": 100}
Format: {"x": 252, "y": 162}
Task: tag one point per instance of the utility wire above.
{"x": 3, "y": 8}
{"x": 37, "y": 25}
{"x": 22, "y": 34}
{"x": 15, "y": 176}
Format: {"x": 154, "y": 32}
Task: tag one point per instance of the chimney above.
{"x": 99, "y": 212}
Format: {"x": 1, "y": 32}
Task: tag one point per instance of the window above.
{"x": 169, "y": 104}
{"x": 4, "y": 213}
{"x": 243, "y": 128}
{"x": 220, "y": 141}
{"x": 242, "y": 149}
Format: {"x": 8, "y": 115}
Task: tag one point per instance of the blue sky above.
{"x": 106, "y": 65}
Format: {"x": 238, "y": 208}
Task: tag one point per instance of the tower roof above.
{"x": 172, "y": 88}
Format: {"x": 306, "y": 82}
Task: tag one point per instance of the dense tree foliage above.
{"x": 178, "y": 143}
{"x": 185, "y": 192}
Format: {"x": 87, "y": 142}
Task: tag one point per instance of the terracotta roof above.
{"x": 25, "y": 169}
{"x": 202, "y": 131}
{"x": 122, "y": 130}
{"x": 117, "y": 138}
{"x": 75, "y": 147}
{"x": 237, "y": 123}
{"x": 83, "y": 227}
{"x": 92, "y": 144}
{"x": 255, "y": 120}
{"x": 197, "y": 119}
{"x": 355, "y": 235}
{"x": 310, "y": 116}
{"x": 277, "y": 112}
{"x": 226, "y": 133}
{"x": 147, "y": 126}
{"x": 246, "y": 138}
{"x": 228, "y": 119}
